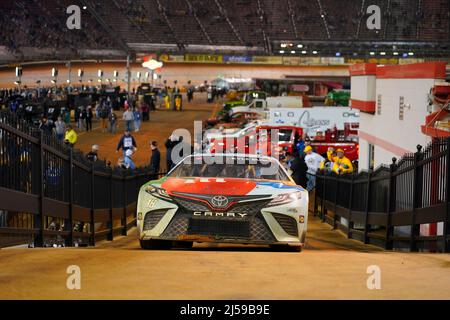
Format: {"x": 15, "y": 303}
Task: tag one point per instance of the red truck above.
{"x": 288, "y": 136}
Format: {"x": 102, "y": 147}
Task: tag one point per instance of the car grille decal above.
{"x": 288, "y": 223}
{"x": 259, "y": 230}
{"x": 152, "y": 218}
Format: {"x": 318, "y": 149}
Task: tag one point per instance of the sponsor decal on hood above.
{"x": 211, "y": 186}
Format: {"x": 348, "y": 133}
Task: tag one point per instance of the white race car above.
{"x": 230, "y": 198}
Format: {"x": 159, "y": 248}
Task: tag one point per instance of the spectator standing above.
{"x": 155, "y": 159}
{"x": 127, "y": 142}
{"x": 167, "y": 101}
{"x": 128, "y": 117}
{"x": 77, "y": 116}
{"x": 299, "y": 170}
{"x": 89, "y": 116}
{"x": 287, "y": 162}
{"x": 60, "y": 129}
{"x": 314, "y": 161}
{"x": 152, "y": 101}
{"x": 171, "y": 142}
{"x": 97, "y": 109}
{"x": 145, "y": 111}
{"x": 67, "y": 116}
{"x": 71, "y": 136}
{"x": 82, "y": 120}
{"x": 113, "y": 122}
{"x": 137, "y": 119}
{"x": 190, "y": 92}
{"x": 209, "y": 95}
{"x": 341, "y": 164}
{"x": 93, "y": 154}
{"x": 103, "y": 113}
{"x": 45, "y": 126}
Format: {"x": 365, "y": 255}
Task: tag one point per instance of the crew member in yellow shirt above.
{"x": 341, "y": 164}
{"x": 71, "y": 136}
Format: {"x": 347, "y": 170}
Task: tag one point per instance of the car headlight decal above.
{"x": 285, "y": 198}
{"x": 157, "y": 192}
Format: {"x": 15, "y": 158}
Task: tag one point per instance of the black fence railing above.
{"x": 387, "y": 206}
{"x": 51, "y": 195}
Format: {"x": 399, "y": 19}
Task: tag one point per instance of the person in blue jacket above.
{"x": 127, "y": 142}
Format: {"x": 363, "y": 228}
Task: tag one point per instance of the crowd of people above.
{"x": 66, "y": 123}
{"x": 304, "y": 163}
{"x": 23, "y": 25}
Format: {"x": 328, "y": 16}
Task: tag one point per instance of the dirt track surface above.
{"x": 330, "y": 267}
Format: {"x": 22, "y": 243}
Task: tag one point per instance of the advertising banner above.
{"x": 373, "y": 60}
{"x": 383, "y": 60}
{"x": 332, "y": 60}
{"x": 310, "y": 60}
{"x": 237, "y": 59}
{"x": 267, "y": 59}
{"x": 171, "y": 58}
{"x": 203, "y": 58}
{"x": 410, "y": 60}
{"x": 291, "y": 61}
{"x": 355, "y": 60}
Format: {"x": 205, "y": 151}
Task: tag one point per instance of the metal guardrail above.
{"x": 370, "y": 206}
{"x": 50, "y": 194}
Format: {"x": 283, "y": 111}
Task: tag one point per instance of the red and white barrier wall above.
{"x": 363, "y": 77}
{"x": 393, "y": 101}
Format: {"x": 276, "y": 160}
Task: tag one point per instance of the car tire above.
{"x": 183, "y": 244}
{"x": 286, "y": 248}
{"x": 156, "y": 244}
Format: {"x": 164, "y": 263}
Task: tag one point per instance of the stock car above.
{"x": 223, "y": 198}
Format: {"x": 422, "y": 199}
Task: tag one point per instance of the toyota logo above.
{"x": 219, "y": 201}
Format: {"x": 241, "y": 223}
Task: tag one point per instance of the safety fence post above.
{"x": 323, "y": 212}
{"x": 389, "y": 243}
{"x": 335, "y": 216}
{"x": 366, "y": 219}
{"x": 39, "y": 218}
{"x": 315, "y": 195}
{"x": 69, "y": 222}
{"x": 350, "y": 203}
{"x": 417, "y": 198}
{"x": 446, "y": 233}
{"x": 92, "y": 242}
{"x": 111, "y": 206}
{"x": 124, "y": 218}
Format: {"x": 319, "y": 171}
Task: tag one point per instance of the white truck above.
{"x": 264, "y": 105}
{"x": 315, "y": 119}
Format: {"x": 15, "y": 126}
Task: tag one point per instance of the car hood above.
{"x": 226, "y": 186}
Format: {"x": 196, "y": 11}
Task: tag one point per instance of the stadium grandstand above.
{"x": 118, "y": 27}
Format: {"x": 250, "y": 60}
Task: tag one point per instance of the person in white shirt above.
{"x": 128, "y": 117}
{"x": 313, "y": 161}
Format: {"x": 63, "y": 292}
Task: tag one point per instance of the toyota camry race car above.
{"x": 229, "y": 198}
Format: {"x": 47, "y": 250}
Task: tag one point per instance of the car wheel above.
{"x": 155, "y": 244}
{"x": 183, "y": 244}
{"x": 286, "y": 248}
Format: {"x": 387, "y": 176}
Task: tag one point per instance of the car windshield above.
{"x": 230, "y": 167}
{"x": 284, "y": 135}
